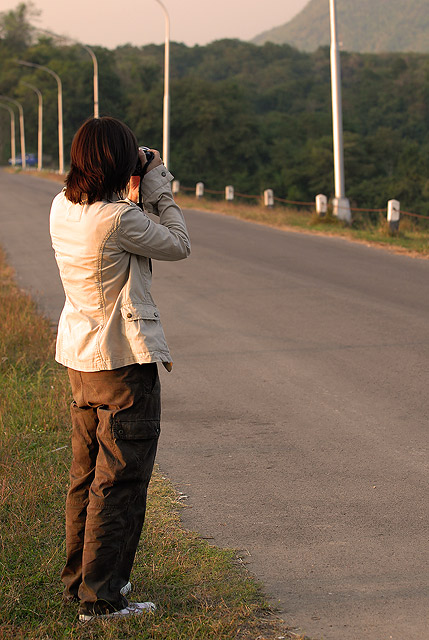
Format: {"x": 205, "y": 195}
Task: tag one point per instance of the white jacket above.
{"x": 103, "y": 251}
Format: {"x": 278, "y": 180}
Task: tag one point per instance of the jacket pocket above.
{"x": 139, "y": 311}
{"x": 143, "y": 330}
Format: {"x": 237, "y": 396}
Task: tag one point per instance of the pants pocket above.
{"x": 126, "y": 428}
{"x": 135, "y": 432}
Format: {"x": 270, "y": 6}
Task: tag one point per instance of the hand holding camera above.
{"x": 148, "y": 160}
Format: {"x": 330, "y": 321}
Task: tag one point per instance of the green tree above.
{"x": 16, "y": 30}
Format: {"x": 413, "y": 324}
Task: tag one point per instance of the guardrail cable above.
{"x": 299, "y": 202}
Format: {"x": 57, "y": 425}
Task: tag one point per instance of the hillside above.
{"x": 365, "y": 26}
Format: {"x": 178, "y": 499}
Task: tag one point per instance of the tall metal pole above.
{"x": 340, "y": 203}
{"x": 166, "y": 126}
{"x": 60, "y": 110}
{"x": 95, "y": 81}
{"x": 40, "y": 124}
{"x": 12, "y": 133}
{"x": 94, "y": 63}
{"x": 21, "y": 128}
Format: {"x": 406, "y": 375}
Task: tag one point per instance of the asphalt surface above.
{"x": 296, "y": 415}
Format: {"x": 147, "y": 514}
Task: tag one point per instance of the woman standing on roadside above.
{"x": 110, "y": 338}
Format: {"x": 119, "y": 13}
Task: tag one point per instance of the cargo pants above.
{"x": 115, "y": 429}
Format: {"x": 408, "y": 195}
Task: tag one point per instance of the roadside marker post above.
{"x": 269, "y": 198}
{"x": 199, "y": 189}
{"x": 321, "y": 205}
{"x": 393, "y": 215}
{"x": 229, "y": 193}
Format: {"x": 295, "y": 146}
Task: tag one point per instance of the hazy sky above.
{"x": 141, "y": 21}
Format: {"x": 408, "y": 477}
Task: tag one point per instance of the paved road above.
{"x": 296, "y": 416}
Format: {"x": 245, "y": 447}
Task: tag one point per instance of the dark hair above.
{"x": 103, "y": 156}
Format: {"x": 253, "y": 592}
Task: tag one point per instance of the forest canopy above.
{"x": 253, "y": 116}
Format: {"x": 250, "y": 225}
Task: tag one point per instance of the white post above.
{"x": 21, "y": 128}
{"x": 321, "y": 205}
{"x": 22, "y": 134}
{"x": 269, "y": 198}
{"x": 229, "y": 193}
{"x": 341, "y": 204}
{"x": 393, "y": 215}
{"x": 60, "y": 125}
{"x": 12, "y": 133}
{"x": 176, "y": 187}
{"x": 40, "y": 125}
{"x": 199, "y": 189}
{"x": 166, "y": 125}
{"x": 60, "y": 110}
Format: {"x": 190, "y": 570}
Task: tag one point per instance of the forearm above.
{"x": 166, "y": 240}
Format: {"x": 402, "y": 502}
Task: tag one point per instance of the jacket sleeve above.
{"x": 137, "y": 233}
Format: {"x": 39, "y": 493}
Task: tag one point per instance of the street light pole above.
{"x": 166, "y": 126}
{"x": 94, "y": 63}
{"x": 60, "y": 109}
{"x": 12, "y": 133}
{"x": 341, "y": 204}
{"x": 21, "y": 128}
{"x": 40, "y": 124}
{"x": 95, "y": 81}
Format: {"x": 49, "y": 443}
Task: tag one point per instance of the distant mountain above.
{"x": 363, "y": 25}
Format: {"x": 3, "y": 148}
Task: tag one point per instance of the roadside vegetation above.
{"x": 202, "y": 592}
{"x": 412, "y": 237}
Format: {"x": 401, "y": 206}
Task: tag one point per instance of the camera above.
{"x": 140, "y": 169}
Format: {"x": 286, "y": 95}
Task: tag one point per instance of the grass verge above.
{"x": 412, "y": 238}
{"x": 202, "y": 592}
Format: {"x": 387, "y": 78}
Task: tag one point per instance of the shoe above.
{"x": 133, "y": 609}
{"x": 126, "y": 589}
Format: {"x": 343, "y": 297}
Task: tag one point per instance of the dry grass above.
{"x": 203, "y": 593}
